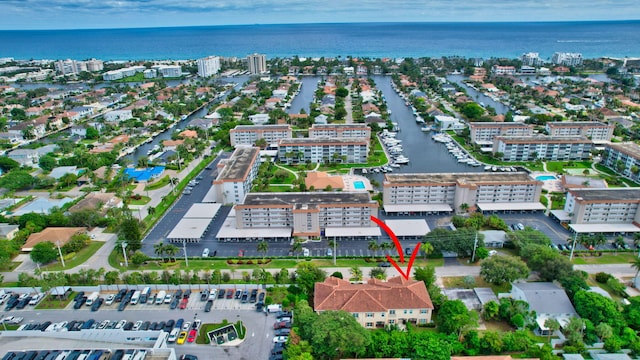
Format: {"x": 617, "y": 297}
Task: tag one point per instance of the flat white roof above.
{"x": 352, "y": 231}
{"x": 561, "y": 215}
{"x": 511, "y": 206}
{"x": 211, "y": 195}
{"x": 189, "y": 229}
{"x": 202, "y": 211}
{"x": 228, "y": 231}
{"x": 603, "y": 228}
{"x": 418, "y": 227}
{"x": 417, "y": 208}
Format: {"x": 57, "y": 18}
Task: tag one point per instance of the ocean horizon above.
{"x": 374, "y": 40}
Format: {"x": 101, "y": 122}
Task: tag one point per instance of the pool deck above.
{"x": 349, "y": 183}
{"x": 554, "y": 185}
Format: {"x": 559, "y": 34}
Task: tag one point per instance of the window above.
{"x": 381, "y": 314}
{"x": 423, "y": 311}
{"x": 392, "y": 312}
{"x": 355, "y": 315}
{"x": 423, "y": 321}
{"x": 392, "y": 321}
{"x": 369, "y": 324}
{"x": 369, "y": 314}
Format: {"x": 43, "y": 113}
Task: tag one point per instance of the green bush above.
{"x": 603, "y": 277}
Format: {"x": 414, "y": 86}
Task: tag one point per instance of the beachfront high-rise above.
{"x": 257, "y": 63}
{"x": 208, "y": 66}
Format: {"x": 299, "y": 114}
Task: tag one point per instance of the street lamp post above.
{"x": 60, "y": 253}
{"x": 124, "y": 252}
{"x": 184, "y": 248}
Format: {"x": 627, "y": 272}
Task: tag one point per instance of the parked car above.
{"x": 280, "y": 339}
{"x": 282, "y": 325}
{"x": 181, "y": 338}
{"x": 183, "y": 303}
{"x": 208, "y": 306}
{"x": 137, "y": 325}
{"x": 109, "y": 300}
{"x": 282, "y": 332}
{"x": 384, "y": 264}
{"x": 204, "y": 295}
{"x": 221, "y": 293}
{"x": 192, "y": 335}
{"x": 173, "y": 335}
{"x": 96, "y": 304}
{"x": 229, "y": 293}
{"x": 261, "y": 297}
{"x": 254, "y": 296}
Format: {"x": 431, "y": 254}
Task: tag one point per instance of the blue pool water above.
{"x": 545, "y": 177}
{"x": 358, "y": 185}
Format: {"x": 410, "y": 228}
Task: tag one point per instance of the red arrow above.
{"x": 399, "y": 248}
{"x": 391, "y": 234}
{"x": 411, "y": 259}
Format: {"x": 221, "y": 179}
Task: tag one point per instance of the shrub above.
{"x": 603, "y": 277}
{"x": 240, "y": 262}
{"x": 231, "y": 261}
{"x": 249, "y": 262}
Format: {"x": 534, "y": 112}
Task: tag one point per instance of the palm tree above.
{"x": 464, "y": 207}
{"x": 159, "y": 249}
{"x": 553, "y": 325}
{"x": 263, "y": 247}
{"x": 333, "y": 244}
{"x": 373, "y": 246}
{"x": 296, "y": 247}
{"x": 636, "y": 265}
{"x": 427, "y": 248}
{"x": 171, "y": 251}
{"x": 387, "y": 246}
{"x": 356, "y": 274}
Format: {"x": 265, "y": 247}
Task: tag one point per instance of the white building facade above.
{"x": 208, "y": 66}
{"x": 323, "y": 149}
{"x": 249, "y": 134}
{"x": 526, "y": 148}
{"x": 235, "y": 179}
{"x": 340, "y": 131}
{"x": 594, "y": 130}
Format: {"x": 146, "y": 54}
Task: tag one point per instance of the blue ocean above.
{"x": 592, "y": 39}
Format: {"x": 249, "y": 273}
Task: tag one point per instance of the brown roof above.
{"x": 53, "y": 234}
{"x": 169, "y": 143}
{"x": 189, "y": 134}
{"x": 375, "y": 295}
{"x": 93, "y": 200}
{"x": 320, "y": 180}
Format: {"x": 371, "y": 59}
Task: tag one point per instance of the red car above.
{"x": 183, "y": 303}
{"x": 229, "y": 293}
{"x": 282, "y": 325}
{"x": 192, "y": 335}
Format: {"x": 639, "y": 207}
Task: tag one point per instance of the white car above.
{"x": 306, "y": 252}
{"x": 120, "y": 324}
{"x": 280, "y": 339}
{"x": 137, "y": 325}
{"x": 103, "y": 324}
{"x": 12, "y": 319}
{"x": 492, "y": 252}
{"x": 186, "y": 326}
{"x": 109, "y": 299}
{"x": 173, "y": 335}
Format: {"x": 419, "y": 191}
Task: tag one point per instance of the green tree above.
{"x": 454, "y": 318}
{"x": 138, "y": 258}
{"x": 373, "y": 246}
{"x": 47, "y": 162}
{"x": 378, "y": 273}
{"x": 490, "y": 310}
{"x": 553, "y": 325}
{"x": 7, "y": 164}
{"x": 598, "y": 309}
{"x": 263, "y": 247}
{"x": 499, "y": 270}
{"x": 427, "y": 249}
{"x": 44, "y": 252}
{"x": 356, "y": 274}
{"x": 92, "y": 133}
{"x": 472, "y": 111}
{"x": 307, "y": 275}
{"x": 426, "y": 274}
{"x": 130, "y": 232}
{"x": 337, "y": 334}
{"x": 17, "y": 180}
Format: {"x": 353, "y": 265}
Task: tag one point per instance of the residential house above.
{"x": 26, "y": 157}
{"x": 547, "y": 299}
{"x": 377, "y": 303}
{"x": 97, "y": 201}
{"x": 259, "y": 119}
{"x": 8, "y": 231}
{"x": 118, "y": 115}
{"x": 57, "y": 235}
{"x": 171, "y": 144}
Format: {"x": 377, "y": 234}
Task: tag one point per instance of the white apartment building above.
{"x": 531, "y": 59}
{"x": 66, "y": 67}
{"x": 624, "y": 159}
{"x": 340, "y": 131}
{"x": 122, "y": 73}
{"x": 526, "y": 148}
{"x": 259, "y": 119}
{"x": 257, "y": 63}
{"x": 596, "y": 131}
{"x": 249, "y": 134}
{"x": 323, "y": 149}
{"x": 309, "y": 214}
{"x": 94, "y": 65}
{"x": 208, "y": 66}
{"x": 235, "y": 179}
{"x": 118, "y": 115}
{"x": 503, "y": 70}
{"x": 602, "y": 210}
{"x": 567, "y": 59}
{"x": 377, "y": 303}
{"x": 429, "y": 193}
{"x": 168, "y": 71}
{"x": 483, "y": 133}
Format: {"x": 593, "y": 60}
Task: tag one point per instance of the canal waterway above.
{"x": 303, "y": 100}
{"x": 425, "y": 155}
{"x": 478, "y": 96}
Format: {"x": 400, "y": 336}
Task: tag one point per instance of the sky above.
{"x": 88, "y": 14}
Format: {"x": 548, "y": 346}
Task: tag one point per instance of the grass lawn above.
{"x": 559, "y": 166}
{"x": 494, "y": 325}
{"x": 592, "y": 282}
{"x": 81, "y": 256}
{"x": 158, "y": 184}
{"x": 49, "y": 302}
{"x": 205, "y": 328}
{"x": 10, "y": 266}
{"x": 606, "y": 258}
{"x": 452, "y": 282}
{"x": 142, "y": 201}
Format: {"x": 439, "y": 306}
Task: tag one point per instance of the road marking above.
{"x": 253, "y": 334}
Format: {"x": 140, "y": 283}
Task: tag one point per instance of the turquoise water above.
{"x": 358, "y": 185}
{"x": 545, "y": 177}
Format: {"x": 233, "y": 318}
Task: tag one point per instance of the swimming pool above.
{"x": 545, "y": 177}
{"x": 358, "y": 185}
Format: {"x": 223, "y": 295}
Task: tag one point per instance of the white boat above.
{"x": 487, "y": 168}
{"x": 364, "y": 171}
{"x": 425, "y": 128}
{"x": 402, "y": 160}
{"x": 394, "y": 165}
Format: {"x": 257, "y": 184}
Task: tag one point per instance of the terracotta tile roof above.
{"x": 374, "y": 296}
{"x": 169, "y": 143}
{"x": 189, "y": 134}
{"x": 320, "y": 180}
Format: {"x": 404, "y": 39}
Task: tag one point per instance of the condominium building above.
{"x": 525, "y": 148}
{"x": 208, "y": 66}
{"x": 340, "y": 131}
{"x": 94, "y": 65}
{"x": 66, "y": 67}
{"x": 377, "y": 303}
{"x": 624, "y": 159}
{"x": 323, "y": 149}
{"x": 602, "y": 210}
{"x": 531, "y": 59}
{"x": 122, "y": 73}
{"x": 446, "y": 192}
{"x": 567, "y": 59}
{"x": 235, "y": 178}
{"x": 168, "y": 71}
{"x": 309, "y": 214}
{"x": 249, "y": 134}
{"x": 483, "y": 133}
{"x": 503, "y": 70}
{"x": 257, "y": 63}
{"x": 594, "y": 130}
